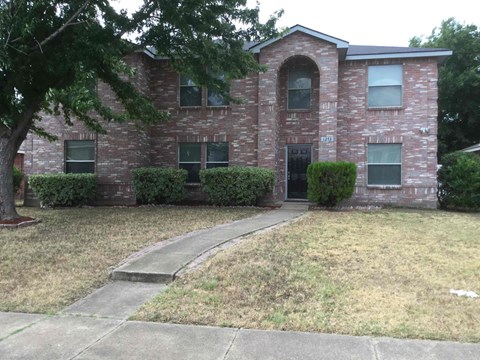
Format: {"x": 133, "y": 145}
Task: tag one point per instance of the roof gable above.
{"x": 341, "y": 44}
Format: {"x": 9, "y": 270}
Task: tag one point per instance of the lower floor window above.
{"x": 217, "y": 155}
{"x": 79, "y": 156}
{"x": 195, "y": 156}
{"x": 190, "y": 159}
{"x": 384, "y": 164}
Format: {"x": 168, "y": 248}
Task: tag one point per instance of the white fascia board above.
{"x": 400, "y": 55}
{"x": 473, "y": 148}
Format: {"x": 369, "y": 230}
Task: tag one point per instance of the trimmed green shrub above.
{"x": 459, "y": 181}
{"x": 159, "y": 185}
{"x": 63, "y": 189}
{"x": 17, "y": 179}
{"x": 331, "y": 182}
{"x": 227, "y": 186}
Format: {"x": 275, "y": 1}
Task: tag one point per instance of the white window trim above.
{"x": 223, "y": 78}
{"x": 379, "y": 86}
{"x": 396, "y": 186}
{"x": 68, "y": 161}
{"x": 216, "y": 162}
{"x": 307, "y": 88}
{"x": 187, "y": 86}
{"x": 189, "y": 162}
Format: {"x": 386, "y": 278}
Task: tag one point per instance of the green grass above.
{"x": 382, "y": 273}
{"x": 48, "y": 266}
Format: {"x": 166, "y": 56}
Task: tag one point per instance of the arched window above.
{"x": 299, "y": 89}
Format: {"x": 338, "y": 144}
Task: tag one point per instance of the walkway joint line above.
{"x": 99, "y": 339}
{"x": 231, "y": 344}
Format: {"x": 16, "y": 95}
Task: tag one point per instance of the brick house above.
{"x": 321, "y": 99}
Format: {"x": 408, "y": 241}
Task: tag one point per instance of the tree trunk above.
{"x": 8, "y": 151}
{"x": 10, "y": 141}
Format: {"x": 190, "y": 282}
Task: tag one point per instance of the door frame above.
{"x": 286, "y": 167}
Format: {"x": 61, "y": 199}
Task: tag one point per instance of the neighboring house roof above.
{"x": 346, "y": 51}
{"x": 473, "y": 148}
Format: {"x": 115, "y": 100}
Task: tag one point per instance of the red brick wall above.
{"x": 236, "y": 124}
{"x": 259, "y": 128}
{"x": 358, "y": 126}
{"x": 123, "y": 148}
{"x": 275, "y": 134}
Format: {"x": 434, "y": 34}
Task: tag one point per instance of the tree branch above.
{"x": 64, "y": 26}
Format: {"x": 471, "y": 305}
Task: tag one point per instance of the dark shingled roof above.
{"x": 377, "y": 50}
{"x": 347, "y": 51}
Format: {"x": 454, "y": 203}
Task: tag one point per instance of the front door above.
{"x": 299, "y": 157}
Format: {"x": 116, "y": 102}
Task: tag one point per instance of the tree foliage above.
{"x": 52, "y": 51}
{"x": 459, "y": 182}
{"x": 459, "y": 84}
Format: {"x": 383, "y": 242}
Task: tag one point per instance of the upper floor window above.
{"x": 79, "y": 156}
{"x": 299, "y": 89}
{"x": 214, "y": 98}
{"x": 190, "y": 94}
{"x": 384, "y": 164}
{"x": 385, "y": 86}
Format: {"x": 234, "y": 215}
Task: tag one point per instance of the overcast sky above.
{"x": 368, "y": 22}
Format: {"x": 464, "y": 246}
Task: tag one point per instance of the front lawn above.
{"x": 48, "y": 266}
{"x": 381, "y": 273}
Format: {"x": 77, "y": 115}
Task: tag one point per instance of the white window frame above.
{"x": 189, "y": 162}
{"x": 68, "y": 161}
{"x": 184, "y": 76}
{"x": 290, "y": 71}
{"x": 386, "y": 164}
{"x": 212, "y": 91}
{"x": 386, "y": 84}
{"x": 216, "y": 162}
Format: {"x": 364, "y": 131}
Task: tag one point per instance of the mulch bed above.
{"x": 19, "y": 222}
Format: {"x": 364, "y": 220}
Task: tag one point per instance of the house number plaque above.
{"x": 327, "y": 139}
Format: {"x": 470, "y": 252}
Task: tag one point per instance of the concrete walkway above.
{"x": 96, "y": 327}
{"x": 39, "y": 337}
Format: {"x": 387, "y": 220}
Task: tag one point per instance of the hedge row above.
{"x": 236, "y": 185}
{"x": 331, "y": 182}
{"x": 159, "y": 185}
{"x": 64, "y": 189}
{"x": 224, "y": 186}
{"x": 459, "y": 182}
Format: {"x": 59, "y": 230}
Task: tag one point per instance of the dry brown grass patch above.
{"x": 385, "y": 273}
{"x": 46, "y": 267}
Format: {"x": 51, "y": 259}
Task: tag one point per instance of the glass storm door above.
{"x": 299, "y": 157}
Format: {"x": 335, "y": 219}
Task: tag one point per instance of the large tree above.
{"x": 51, "y": 51}
{"x": 459, "y": 84}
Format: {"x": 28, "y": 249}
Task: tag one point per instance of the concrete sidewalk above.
{"x": 96, "y": 327}
{"x": 78, "y": 337}
{"x": 163, "y": 263}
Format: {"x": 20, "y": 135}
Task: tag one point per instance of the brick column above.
{"x": 327, "y": 122}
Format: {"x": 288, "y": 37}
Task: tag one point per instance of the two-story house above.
{"x": 321, "y": 99}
